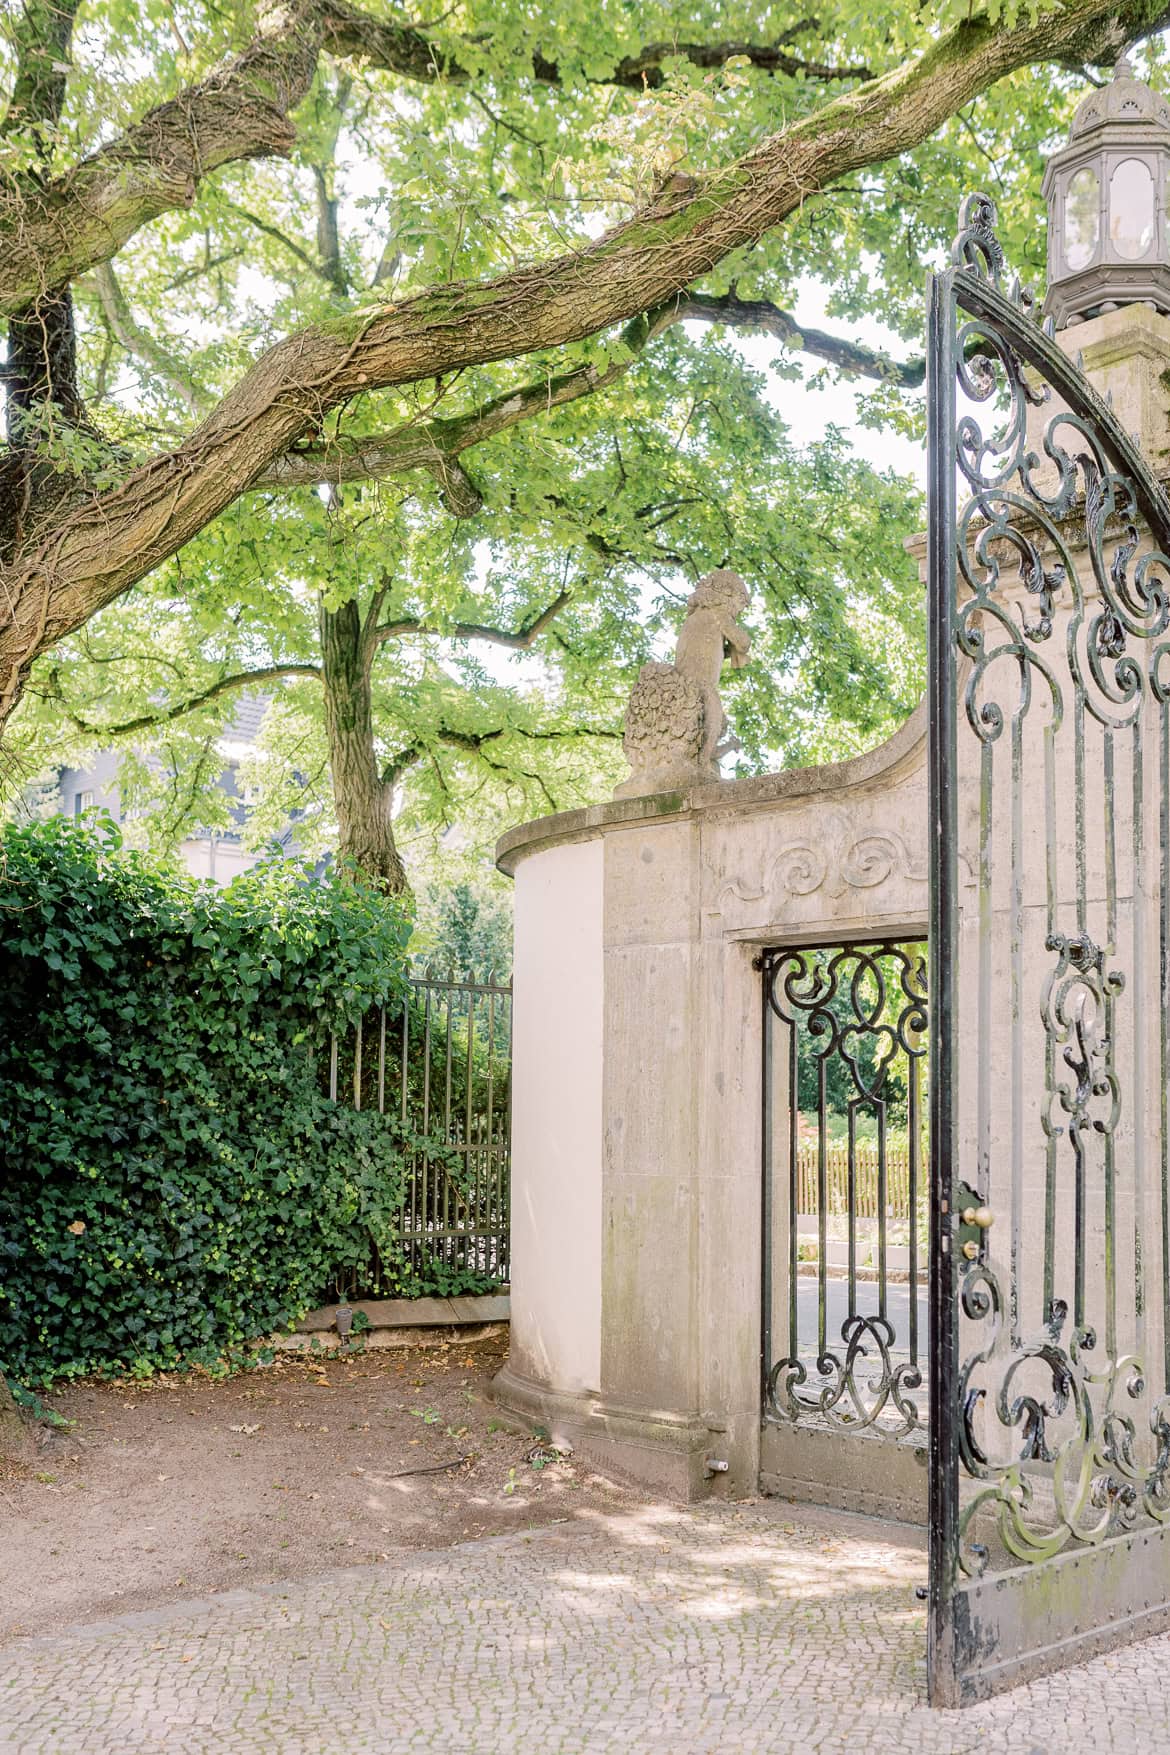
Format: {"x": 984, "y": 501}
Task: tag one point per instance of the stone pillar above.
{"x": 1125, "y": 355}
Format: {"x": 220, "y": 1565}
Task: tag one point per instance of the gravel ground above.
{"x": 180, "y": 1487}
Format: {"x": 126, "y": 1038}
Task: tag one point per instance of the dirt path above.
{"x": 178, "y": 1487}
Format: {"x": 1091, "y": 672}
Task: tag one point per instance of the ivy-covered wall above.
{"x": 174, "y": 1180}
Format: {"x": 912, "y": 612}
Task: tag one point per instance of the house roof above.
{"x": 244, "y": 726}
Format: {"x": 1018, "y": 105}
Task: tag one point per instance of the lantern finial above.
{"x": 1106, "y": 192}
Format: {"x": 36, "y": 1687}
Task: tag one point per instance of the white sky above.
{"x": 808, "y": 411}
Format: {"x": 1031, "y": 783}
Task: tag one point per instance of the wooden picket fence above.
{"x": 866, "y": 1173}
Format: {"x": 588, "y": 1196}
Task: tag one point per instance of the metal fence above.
{"x": 440, "y": 1066}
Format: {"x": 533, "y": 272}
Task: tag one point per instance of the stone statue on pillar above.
{"x": 676, "y": 729}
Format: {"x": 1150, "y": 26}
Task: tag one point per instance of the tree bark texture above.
{"x": 362, "y": 799}
{"x": 40, "y": 378}
{"x": 240, "y": 112}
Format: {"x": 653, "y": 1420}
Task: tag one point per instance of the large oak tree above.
{"x": 362, "y": 268}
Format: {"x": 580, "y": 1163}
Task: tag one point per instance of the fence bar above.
{"x": 455, "y": 1214}
{"x": 915, "y": 1134}
{"x": 423, "y": 1181}
{"x": 442, "y": 1192}
{"x": 851, "y": 1177}
{"x": 793, "y": 1208}
{"x": 470, "y": 1165}
{"x": 822, "y": 1211}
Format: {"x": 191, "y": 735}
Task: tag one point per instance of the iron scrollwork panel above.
{"x": 855, "y": 1044}
{"x": 1053, "y": 1049}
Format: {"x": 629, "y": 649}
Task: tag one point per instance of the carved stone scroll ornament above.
{"x": 837, "y": 857}
{"x": 675, "y": 730}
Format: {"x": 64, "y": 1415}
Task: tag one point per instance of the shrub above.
{"x": 174, "y": 1180}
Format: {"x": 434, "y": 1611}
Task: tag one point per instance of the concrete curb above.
{"x": 402, "y": 1322}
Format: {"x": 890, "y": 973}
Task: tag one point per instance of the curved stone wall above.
{"x": 637, "y": 1087}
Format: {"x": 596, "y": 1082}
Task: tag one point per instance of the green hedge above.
{"x": 173, "y": 1178}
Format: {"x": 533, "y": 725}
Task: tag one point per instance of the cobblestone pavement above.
{"x": 738, "y": 1629}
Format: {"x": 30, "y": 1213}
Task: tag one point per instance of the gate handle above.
{"x": 981, "y": 1216}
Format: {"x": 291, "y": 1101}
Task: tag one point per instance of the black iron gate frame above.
{"x": 865, "y": 1384}
{"x": 1094, "y": 1568}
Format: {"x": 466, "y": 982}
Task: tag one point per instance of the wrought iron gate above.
{"x": 1050, "y": 967}
{"x": 844, "y": 1342}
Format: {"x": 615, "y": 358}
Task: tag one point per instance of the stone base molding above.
{"x": 667, "y": 1452}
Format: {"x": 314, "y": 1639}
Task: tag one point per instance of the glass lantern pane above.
{"x": 1131, "y": 209}
{"x": 1082, "y": 219}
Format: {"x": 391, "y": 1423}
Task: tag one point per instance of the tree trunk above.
{"x": 362, "y": 799}
{"x": 40, "y": 373}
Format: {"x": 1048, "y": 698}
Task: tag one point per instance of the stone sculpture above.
{"x": 675, "y": 728}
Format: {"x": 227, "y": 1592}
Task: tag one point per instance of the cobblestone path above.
{"x": 737, "y": 1629}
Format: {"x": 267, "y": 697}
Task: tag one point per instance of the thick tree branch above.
{"x": 396, "y": 765}
{"x": 240, "y": 112}
{"x": 94, "y": 554}
{"x": 42, "y": 37}
{"x": 41, "y": 368}
{"x": 435, "y": 444}
{"x": 763, "y": 317}
{"x": 328, "y": 234}
{"x": 41, "y": 390}
{"x": 457, "y": 491}
{"x": 165, "y": 715}
{"x": 413, "y": 53}
{"x": 328, "y": 230}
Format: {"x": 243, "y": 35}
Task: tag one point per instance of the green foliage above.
{"x": 32, "y": 1404}
{"x": 683, "y": 462}
{"x": 437, "y": 1280}
{"x": 466, "y": 927}
{"x": 686, "y": 461}
{"x": 852, "y": 1056}
{"x": 176, "y": 1182}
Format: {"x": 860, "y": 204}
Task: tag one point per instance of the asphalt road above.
{"x": 837, "y": 1302}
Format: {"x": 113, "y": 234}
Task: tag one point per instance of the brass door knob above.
{"x": 981, "y": 1216}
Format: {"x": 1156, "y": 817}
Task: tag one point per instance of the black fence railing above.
{"x": 439, "y": 1067}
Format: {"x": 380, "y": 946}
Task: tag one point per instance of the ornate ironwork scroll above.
{"x": 1050, "y": 758}
{"x": 854, "y": 1042}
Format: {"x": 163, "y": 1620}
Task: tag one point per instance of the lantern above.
{"x": 1106, "y": 193}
